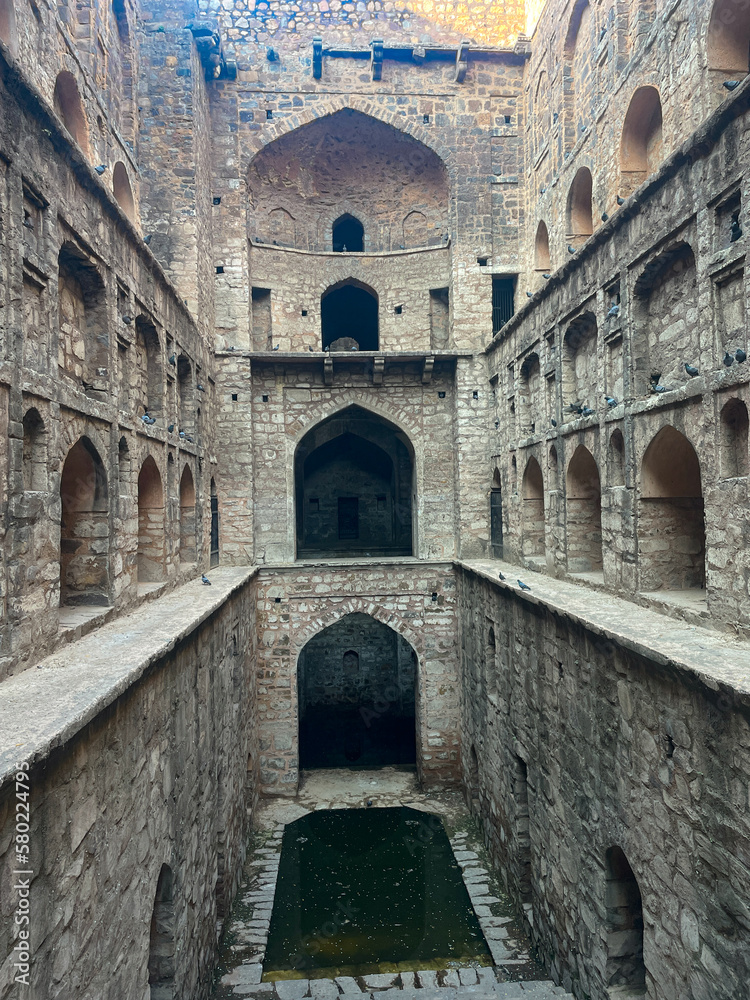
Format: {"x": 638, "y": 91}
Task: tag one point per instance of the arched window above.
{"x": 671, "y": 528}
{"x": 530, "y": 399}
{"x": 349, "y": 317}
{"x": 734, "y": 439}
{"x": 728, "y": 38}
{"x": 348, "y": 235}
{"x": 151, "y": 555}
{"x": 496, "y": 516}
{"x": 541, "y": 248}
{"x": 583, "y": 513}
{"x": 579, "y": 371}
{"x": 186, "y": 394}
{"x": 280, "y": 228}
{"x": 123, "y": 467}
{"x": 625, "y": 965}
{"x": 161, "y": 955}
{"x": 641, "y": 147}
{"x": 84, "y": 527}
{"x": 8, "y": 25}
{"x": 533, "y": 510}
{"x": 552, "y": 462}
{"x": 122, "y": 190}
{"x": 616, "y": 459}
{"x": 188, "y": 548}
{"x": 580, "y": 213}
{"x": 69, "y": 106}
{"x": 34, "y": 452}
{"x": 416, "y": 230}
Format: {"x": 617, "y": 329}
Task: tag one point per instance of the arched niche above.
{"x": 533, "y": 509}
{"x": 641, "y": 146}
{"x": 188, "y": 547}
{"x": 83, "y": 349}
{"x": 346, "y": 159}
{"x": 151, "y": 551}
{"x": 529, "y": 394}
{"x": 579, "y": 363}
{"x": 69, "y": 106}
{"x": 576, "y": 72}
{"x": 580, "y": 218}
{"x": 616, "y": 459}
{"x": 626, "y": 969}
{"x": 34, "y": 452}
{"x": 671, "y": 525}
{"x": 356, "y": 684}
{"x": 349, "y": 317}
{"x": 161, "y": 953}
{"x": 149, "y": 378}
{"x": 348, "y": 235}
{"x": 728, "y": 38}
{"x": 214, "y": 540}
{"x": 84, "y": 527}
{"x": 583, "y": 513}
{"x": 734, "y": 439}
{"x": 496, "y": 516}
{"x": 541, "y": 247}
{"x": 354, "y": 475}
{"x": 122, "y": 190}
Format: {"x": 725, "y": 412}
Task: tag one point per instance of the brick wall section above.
{"x": 621, "y": 749}
{"x": 315, "y": 596}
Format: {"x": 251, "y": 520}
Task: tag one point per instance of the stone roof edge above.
{"x": 44, "y": 707}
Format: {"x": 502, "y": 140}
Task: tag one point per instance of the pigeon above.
{"x": 571, "y": 249}
{"x": 127, "y": 319}
{"x": 147, "y": 239}
{"x": 311, "y": 349}
{"x": 731, "y": 85}
{"x": 547, "y": 276}
{"x": 605, "y": 217}
{"x": 500, "y": 576}
{"x": 740, "y": 356}
{"x": 554, "y": 422}
{"x": 542, "y": 189}
{"x": 277, "y": 347}
{"x": 170, "y": 428}
{"x": 353, "y": 348}
{"x": 369, "y": 803}
{"x": 735, "y": 231}
{"x": 555, "y": 116}
{"x": 172, "y": 359}
{"x": 200, "y": 388}
{"x": 529, "y": 295}
{"x": 272, "y": 55}
{"x": 205, "y": 581}
{"x": 523, "y": 586}
{"x": 602, "y": 33}
{"x": 28, "y": 223}
{"x": 575, "y": 407}
{"x": 728, "y": 359}
{"x": 144, "y": 418}
{"x": 614, "y": 311}
{"x": 691, "y": 370}
{"x": 583, "y": 127}
{"x": 620, "y": 200}
{"x": 188, "y": 438}
{"x": 611, "y": 401}
{"x": 659, "y": 389}
{"x": 587, "y": 411}
{"x": 100, "y": 169}
{"x": 497, "y": 423}
{"x": 183, "y": 435}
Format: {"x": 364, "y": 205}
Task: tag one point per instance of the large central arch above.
{"x": 356, "y": 682}
{"x": 354, "y": 476}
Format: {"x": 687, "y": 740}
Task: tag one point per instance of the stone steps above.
{"x": 446, "y": 984}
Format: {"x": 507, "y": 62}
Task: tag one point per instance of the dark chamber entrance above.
{"x": 363, "y": 891}
{"x": 353, "y": 485}
{"x": 356, "y": 682}
{"x": 349, "y": 315}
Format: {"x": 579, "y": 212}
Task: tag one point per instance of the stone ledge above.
{"x": 720, "y": 663}
{"x": 45, "y": 706}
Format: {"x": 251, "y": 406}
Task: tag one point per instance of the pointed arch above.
{"x": 671, "y": 524}
{"x": 583, "y": 513}
{"x": 151, "y": 553}
{"x": 625, "y": 964}
{"x": 84, "y": 527}
{"x": 161, "y": 954}
{"x": 728, "y": 38}
{"x": 541, "y": 247}
{"x": 122, "y": 190}
{"x": 347, "y": 234}
{"x": 34, "y": 451}
{"x": 349, "y": 313}
{"x": 580, "y": 215}
{"x": 641, "y": 144}
{"x": 533, "y": 509}
{"x": 68, "y": 104}
{"x": 734, "y": 439}
{"x": 188, "y": 548}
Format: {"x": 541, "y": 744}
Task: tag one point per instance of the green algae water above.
{"x": 362, "y": 891}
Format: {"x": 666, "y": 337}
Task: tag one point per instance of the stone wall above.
{"x": 589, "y": 739}
{"x": 296, "y": 603}
{"x": 159, "y": 770}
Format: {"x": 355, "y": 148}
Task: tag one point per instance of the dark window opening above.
{"x": 214, "y": 556}
{"x": 503, "y": 302}
{"x": 496, "y": 522}
{"x": 348, "y": 518}
{"x": 348, "y": 235}
{"x": 349, "y": 318}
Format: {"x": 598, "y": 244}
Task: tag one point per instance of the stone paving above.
{"x": 514, "y": 974}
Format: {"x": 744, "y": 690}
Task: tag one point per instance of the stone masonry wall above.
{"x": 164, "y": 775}
{"x": 295, "y": 604}
{"x": 584, "y": 744}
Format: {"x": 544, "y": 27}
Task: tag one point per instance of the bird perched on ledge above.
{"x": 500, "y": 576}
{"x": 614, "y": 311}
{"x": 205, "y": 581}
{"x": 691, "y": 370}
{"x": 611, "y": 401}
{"x": 731, "y": 85}
{"x": 100, "y": 169}
{"x": 523, "y": 586}
{"x": 740, "y": 356}
{"x": 728, "y": 359}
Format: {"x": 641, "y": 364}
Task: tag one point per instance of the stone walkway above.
{"x": 515, "y": 974}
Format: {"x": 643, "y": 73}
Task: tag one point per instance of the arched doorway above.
{"x": 641, "y": 146}
{"x": 583, "y": 513}
{"x": 349, "y": 316}
{"x": 348, "y": 235}
{"x": 625, "y": 966}
{"x": 161, "y": 954}
{"x": 356, "y": 682}
{"x": 533, "y": 510}
{"x": 84, "y": 527}
{"x": 671, "y": 523}
{"x": 151, "y": 555}
{"x": 353, "y": 486}
{"x": 188, "y": 549}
